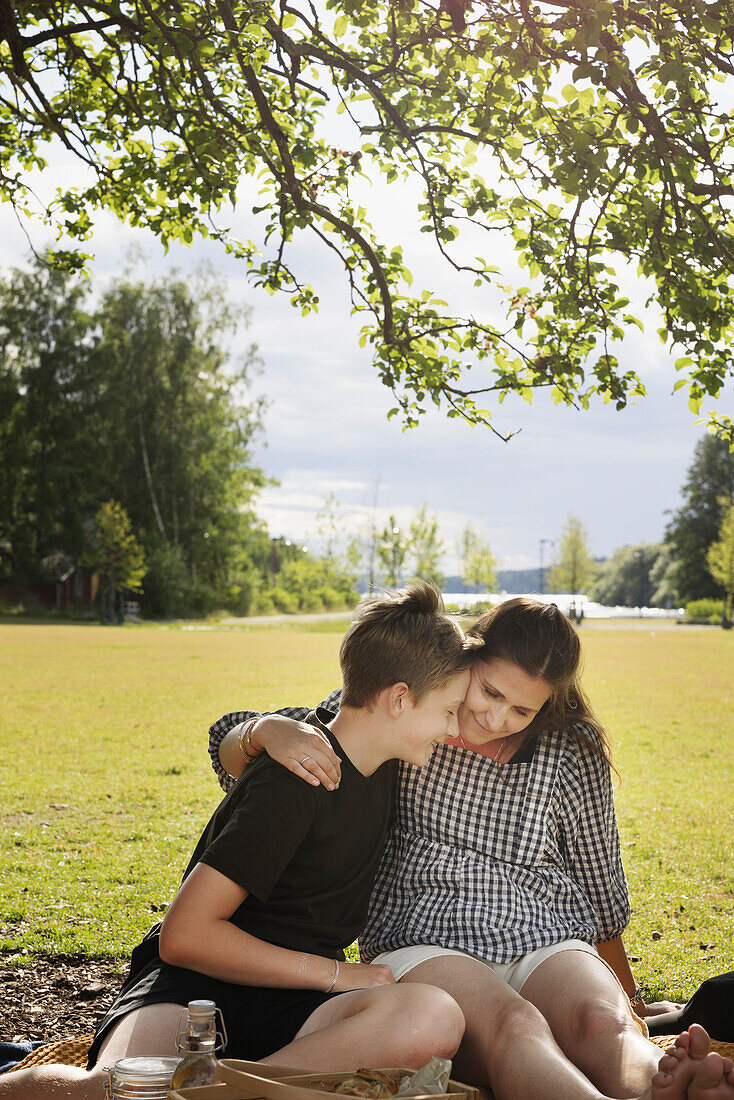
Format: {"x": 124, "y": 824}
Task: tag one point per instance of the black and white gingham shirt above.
{"x": 494, "y": 862}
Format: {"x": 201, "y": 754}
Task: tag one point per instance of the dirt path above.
{"x": 55, "y": 997}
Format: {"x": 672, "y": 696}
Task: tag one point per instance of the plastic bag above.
{"x": 433, "y": 1078}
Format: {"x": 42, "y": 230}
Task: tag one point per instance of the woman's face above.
{"x": 502, "y": 699}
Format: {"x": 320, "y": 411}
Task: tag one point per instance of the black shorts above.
{"x": 259, "y": 1020}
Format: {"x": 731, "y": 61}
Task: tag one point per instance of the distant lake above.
{"x": 565, "y": 600}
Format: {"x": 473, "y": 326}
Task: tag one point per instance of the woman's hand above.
{"x": 299, "y": 747}
{"x": 362, "y": 976}
{"x": 658, "y": 1008}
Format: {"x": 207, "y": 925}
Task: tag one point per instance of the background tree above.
{"x": 479, "y": 565}
{"x": 135, "y": 401}
{"x": 180, "y": 429}
{"x": 695, "y": 525}
{"x": 49, "y": 447}
{"x": 720, "y": 559}
{"x": 425, "y": 546}
{"x": 113, "y": 551}
{"x": 574, "y": 569}
{"x": 589, "y": 135}
{"x": 663, "y": 579}
{"x": 328, "y": 526}
{"x": 340, "y": 556}
{"x": 391, "y": 552}
{"x": 308, "y": 582}
{"x": 371, "y": 535}
{"x": 626, "y": 578}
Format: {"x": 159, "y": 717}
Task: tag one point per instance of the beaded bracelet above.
{"x": 244, "y": 739}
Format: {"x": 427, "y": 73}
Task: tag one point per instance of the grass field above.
{"x": 105, "y": 781}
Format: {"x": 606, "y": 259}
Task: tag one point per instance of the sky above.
{"x": 326, "y": 429}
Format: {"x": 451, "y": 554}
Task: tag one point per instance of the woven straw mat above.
{"x": 67, "y": 1052}
{"x": 73, "y": 1052}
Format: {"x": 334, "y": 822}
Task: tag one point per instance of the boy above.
{"x": 280, "y": 881}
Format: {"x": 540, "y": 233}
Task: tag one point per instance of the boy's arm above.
{"x": 197, "y": 934}
{"x": 287, "y": 742}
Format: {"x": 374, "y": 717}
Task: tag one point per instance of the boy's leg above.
{"x": 146, "y": 1031}
{"x": 384, "y": 1026}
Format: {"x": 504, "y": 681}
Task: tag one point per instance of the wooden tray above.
{"x": 253, "y": 1081}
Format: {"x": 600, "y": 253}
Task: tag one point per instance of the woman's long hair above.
{"x": 540, "y": 639}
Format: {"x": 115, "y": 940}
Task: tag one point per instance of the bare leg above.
{"x": 508, "y": 1046}
{"x": 147, "y": 1031}
{"x": 386, "y": 1026}
{"x": 589, "y": 1016}
{"x": 389, "y": 1025}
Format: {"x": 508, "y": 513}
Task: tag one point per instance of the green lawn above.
{"x": 105, "y": 782}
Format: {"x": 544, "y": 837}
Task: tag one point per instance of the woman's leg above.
{"x": 507, "y": 1045}
{"x": 588, "y": 1013}
{"x": 146, "y": 1031}
{"x": 384, "y": 1026}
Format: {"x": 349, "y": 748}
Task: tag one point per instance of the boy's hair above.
{"x": 405, "y": 637}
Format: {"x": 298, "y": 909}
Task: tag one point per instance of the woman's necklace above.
{"x": 495, "y": 758}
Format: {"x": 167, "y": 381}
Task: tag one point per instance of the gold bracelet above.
{"x": 636, "y": 1000}
{"x": 244, "y": 739}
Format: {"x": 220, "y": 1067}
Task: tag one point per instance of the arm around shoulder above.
{"x": 301, "y": 748}
{"x": 224, "y": 747}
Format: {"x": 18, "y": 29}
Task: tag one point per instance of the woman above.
{"x": 502, "y": 881}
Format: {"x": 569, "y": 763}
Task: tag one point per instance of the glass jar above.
{"x": 140, "y": 1079}
{"x": 199, "y": 1044}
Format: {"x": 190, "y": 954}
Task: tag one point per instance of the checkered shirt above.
{"x": 494, "y": 862}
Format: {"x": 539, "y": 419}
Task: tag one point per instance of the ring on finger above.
{"x": 305, "y": 759}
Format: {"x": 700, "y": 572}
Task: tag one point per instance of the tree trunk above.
{"x": 111, "y": 594}
{"x": 149, "y": 478}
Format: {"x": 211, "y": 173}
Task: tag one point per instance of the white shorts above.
{"x": 514, "y": 973}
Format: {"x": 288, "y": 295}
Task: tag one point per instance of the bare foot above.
{"x": 713, "y": 1080}
{"x": 690, "y": 1071}
{"x": 678, "y": 1068}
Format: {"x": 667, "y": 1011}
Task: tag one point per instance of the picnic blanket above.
{"x": 67, "y": 1052}
{"x": 73, "y": 1052}
{"x": 12, "y": 1053}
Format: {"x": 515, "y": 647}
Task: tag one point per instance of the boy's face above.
{"x": 429, "y": 722}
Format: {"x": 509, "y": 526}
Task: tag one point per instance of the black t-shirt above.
{"x": 307, "y": 856}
